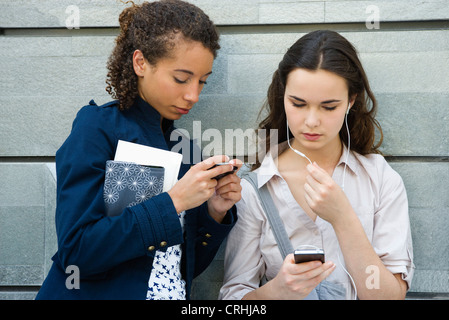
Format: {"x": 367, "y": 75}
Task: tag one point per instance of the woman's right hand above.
{"x": 296, "y": 281}
{"x": 293, "y": 281}
{"x": 198, "y": 185}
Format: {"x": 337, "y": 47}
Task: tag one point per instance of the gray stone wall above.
{"x": 49, "y": 71}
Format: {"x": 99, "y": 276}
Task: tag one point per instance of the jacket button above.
{"x": 208, "y": 235}
{"x": 163, "y": 244}
{"x": 151, "y": 248}
{"x": 204, "y": 243}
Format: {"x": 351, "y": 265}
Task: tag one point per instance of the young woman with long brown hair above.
{"x": 331, "y": 186}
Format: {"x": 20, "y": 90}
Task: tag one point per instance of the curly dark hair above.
{"x": 152, "y": 28}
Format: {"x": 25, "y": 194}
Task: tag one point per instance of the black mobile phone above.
{"x": 306, "y": 255}
{"x": 234, "y": 169}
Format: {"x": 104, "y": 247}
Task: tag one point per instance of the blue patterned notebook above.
{"x": 127, "y": 184}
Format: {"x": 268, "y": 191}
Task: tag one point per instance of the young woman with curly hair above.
{"x": 332, "y": 188}
{"x": 152, "y": 250}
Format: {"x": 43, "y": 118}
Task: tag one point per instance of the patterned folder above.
{"x": 127, "y": 184}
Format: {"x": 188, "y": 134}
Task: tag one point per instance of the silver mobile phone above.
{"x": 309, "y": 254}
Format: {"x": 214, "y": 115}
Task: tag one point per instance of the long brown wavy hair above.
{"x": 152, "y": 27}
{"x": 326, "y": 50}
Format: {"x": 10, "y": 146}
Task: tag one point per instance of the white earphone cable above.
{"x": 294, "y": 150}
{"x": 343, "y": 185}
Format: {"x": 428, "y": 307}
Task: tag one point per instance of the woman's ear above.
{"x": 352, "y": 99}
{"x": 139, "y": 63}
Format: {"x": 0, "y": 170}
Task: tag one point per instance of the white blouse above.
{"x": 377, "y": 195}
{"x": 166, "y": 281}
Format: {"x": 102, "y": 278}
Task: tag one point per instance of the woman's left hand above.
{"x": 227, "y": 193}
{"x": 324, "y": 196}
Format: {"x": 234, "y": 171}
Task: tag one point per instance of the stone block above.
{"x": 217, "y": 83}
{"x": 255, "y": 43}
{"x": 22, "y": 234}
{"x": 430, "y": 233}
{"x": 18, "y": 295}
{"x": 27, "y": 231}
{"x": 230, "y": 12}
{"x": 14, "y": 47}
{"x": 414, "y": 123}
{"x": 53, "y": 76}
{"x": 53, "y": 13}
{"x": 251, "y": 74}
{"x": 93, "y": 46}
{"x": 407, "y": 71}
{"x": 105, "y": 13}
{"x": 268, "y": 41}
{"x": 418, "y": 40}
{"x": 426, "y": 183}
{"x": 298, "y": 12}
{"x": 428, "y": 198}
{"x": 38, "y": 125}
{"x": 402, "y": 10}
{"x": 431, "y": 281}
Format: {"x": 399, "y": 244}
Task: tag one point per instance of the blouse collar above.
{"x": 269, "y": 169}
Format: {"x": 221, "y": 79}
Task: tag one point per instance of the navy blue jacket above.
{"x": 113, "y": 254}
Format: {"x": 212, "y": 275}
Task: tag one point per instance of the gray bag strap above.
{"x": 284, "y": 244}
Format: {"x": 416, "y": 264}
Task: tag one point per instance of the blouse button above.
{"x": 151, "y": 248}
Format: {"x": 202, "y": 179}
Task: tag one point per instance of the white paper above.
{"x": 149, "y": 156}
